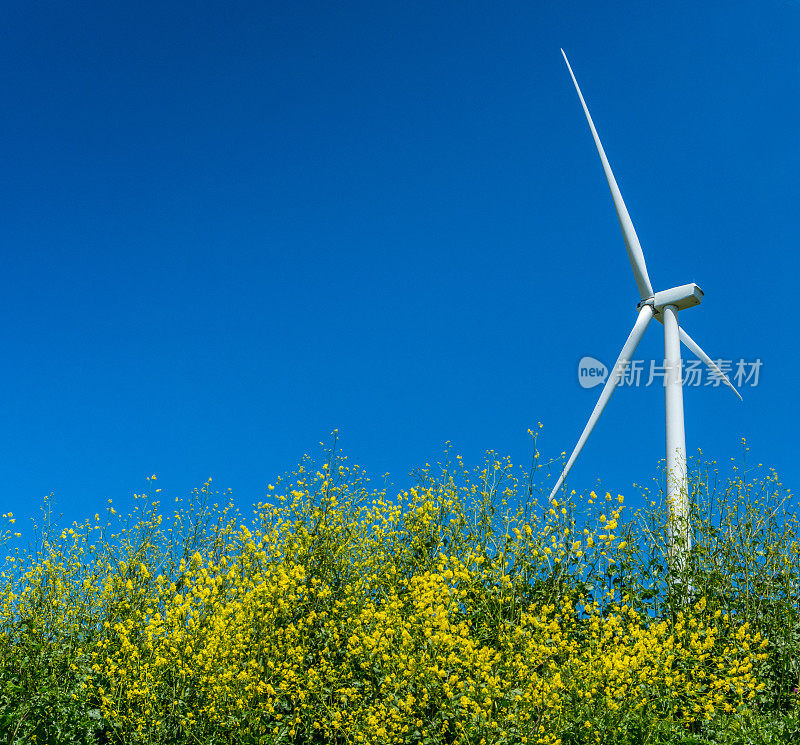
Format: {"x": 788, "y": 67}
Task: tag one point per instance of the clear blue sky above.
{"x": 230, "y": 228}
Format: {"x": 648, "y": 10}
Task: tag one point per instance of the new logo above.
{"x": 591, "y": 372}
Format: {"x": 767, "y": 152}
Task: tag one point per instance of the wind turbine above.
{"x": 664, "y": 307}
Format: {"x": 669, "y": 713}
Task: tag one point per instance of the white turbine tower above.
{"x": 663, "y": 306}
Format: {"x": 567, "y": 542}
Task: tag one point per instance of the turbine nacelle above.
{"x": 683, "y": 297}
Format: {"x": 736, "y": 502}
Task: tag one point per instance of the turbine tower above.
{"x": 664, "y": 307}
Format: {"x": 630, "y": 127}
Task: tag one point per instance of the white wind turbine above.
{"x": 663, "y": 306}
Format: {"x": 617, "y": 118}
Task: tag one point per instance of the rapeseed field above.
{"x": 464, "y": 608}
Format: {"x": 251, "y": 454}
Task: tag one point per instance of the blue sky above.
{"x": 230, "y": 228}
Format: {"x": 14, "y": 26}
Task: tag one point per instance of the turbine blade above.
{"x": 635, "y": 254}
{"x": 694, "y": 347}
{"x": 644, "y": 318}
